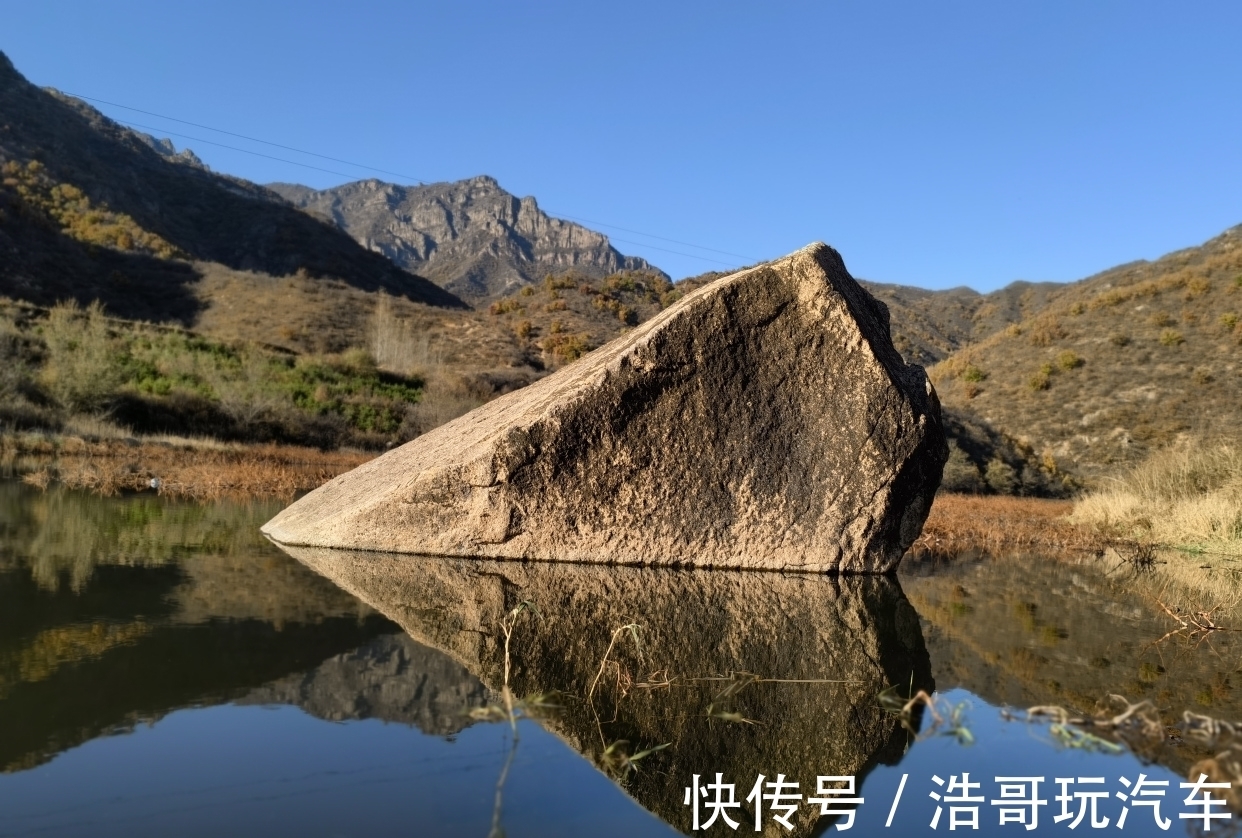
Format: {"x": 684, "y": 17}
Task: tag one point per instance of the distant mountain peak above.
{"x": 471, "y": 236}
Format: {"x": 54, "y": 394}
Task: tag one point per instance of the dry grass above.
{"x": 1189, "y": 494}
{"x": 959, "y": 523}
{"x": 203, "y": 470}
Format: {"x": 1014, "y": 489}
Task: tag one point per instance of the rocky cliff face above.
{"x": 471, "y": 236}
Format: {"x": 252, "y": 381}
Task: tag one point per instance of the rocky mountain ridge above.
{"x": 471, "y": 237}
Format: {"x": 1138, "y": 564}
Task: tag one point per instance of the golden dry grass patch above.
{"x": 202, "y": 470}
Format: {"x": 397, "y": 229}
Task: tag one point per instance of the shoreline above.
{"x": 203, "y": 469}
{"x": 177, "y": 467}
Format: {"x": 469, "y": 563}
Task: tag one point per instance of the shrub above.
{"x": 505, "y": 307}
{"x": 523, "y": 329}
{"x": 669, "y": 297}
{"x": 566, "y": 347}
{"x": 1069, "y": 360}
{"x": 1229, "y": 320}
{"x": 1202, "y": 376}
{"x": 1160, "y": 319}
{"x": 1045, "y": 330}
{"x": 1119, "y": 339}
{"x": 1039, "y": 381}
{"x": 1000, "y": 476}
{"x": 555, "y": 305}
{"x": 1197, "y": 287}
{"x": 552, "y": 283}
{"x": 1013, "y": 330}
{"x": 973, "y": 374}
{"x": 1078, "y": 308}
{"x": 81, "y": 373}
{"x": 620, "y": 282}
{"x": 1171, "y": 337}
{"x": 528, "y": 291}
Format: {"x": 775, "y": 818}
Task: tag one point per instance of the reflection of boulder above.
{"x": 764, "y": 421}
{"x": 392, "y": 678}
{"x": 695, "y": 625}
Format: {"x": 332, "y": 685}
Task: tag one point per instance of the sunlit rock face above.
{"x": 765, "y": 421}
{"x": 821, "y": 647}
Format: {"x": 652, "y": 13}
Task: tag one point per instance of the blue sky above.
{"x": 934, "y": 144}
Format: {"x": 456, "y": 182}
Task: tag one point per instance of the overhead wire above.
{"x": 251, "y": 139}
{"x": 416, "y": 180}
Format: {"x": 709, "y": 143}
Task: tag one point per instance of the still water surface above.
{"x": 166, "y": 671}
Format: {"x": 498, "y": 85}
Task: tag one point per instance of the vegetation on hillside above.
{"x": 570, "y": 314}
{"x": 1117, "y": 366}
{"x": 67, "y": 207}
{"x": 68, "y": 361}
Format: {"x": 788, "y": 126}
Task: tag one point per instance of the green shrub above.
{"x": 1229, "y": 320}
{"x": 1039, "y": 381}
{"x": 973, "y": 374}
{"x": 1069, "y": 360}
{"x": 1171, "y": 337}
{"x": 1000, "y": 476}
{"x": 81, "y": 373}
{"x": 669, "y": 297}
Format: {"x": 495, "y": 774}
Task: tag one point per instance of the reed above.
{"x": 1188, "y": 495}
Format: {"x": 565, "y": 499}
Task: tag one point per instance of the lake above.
{"x": 164, "y": 670}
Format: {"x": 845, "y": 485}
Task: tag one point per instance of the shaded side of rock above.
{"x": 765, "y": 421}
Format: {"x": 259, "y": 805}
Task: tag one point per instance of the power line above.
{"x": 651, "y": 236}
{"x": 230, "y": 147}
{"x": 677, "y": 252}
{"x": 251, "y": 139}
{"x": 418, "y": 181}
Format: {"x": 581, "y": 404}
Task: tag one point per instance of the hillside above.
{"x": 91, "y": 210}
{"x": 472, "y": 237}
{"x": 1115, "y": 365}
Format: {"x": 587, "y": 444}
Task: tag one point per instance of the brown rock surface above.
{"x": 764, "y": 421}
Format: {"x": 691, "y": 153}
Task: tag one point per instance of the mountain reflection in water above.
{"x": 179, "y": 625}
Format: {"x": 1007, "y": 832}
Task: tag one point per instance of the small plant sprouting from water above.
{"x": 616, "y": 757}
{"x": 511, "y": 709}
{"x": 632, "y": 628}
{"x": 721, "y": 707}
{"x": 946, "y": 719}
{"x": 620, "y": 763}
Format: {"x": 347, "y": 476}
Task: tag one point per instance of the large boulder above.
{"x": 764, "y": 421}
